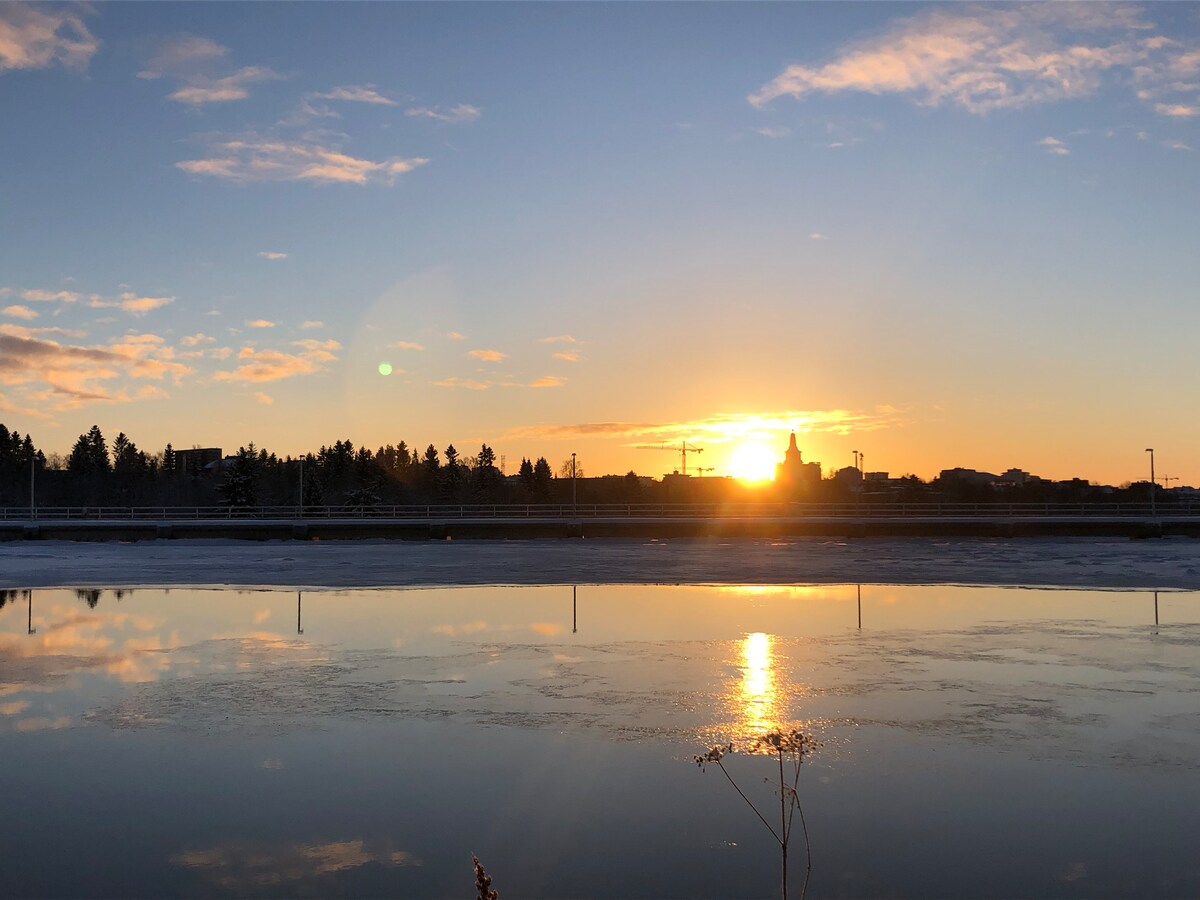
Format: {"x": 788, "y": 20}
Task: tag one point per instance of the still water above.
{"x": 975, "y": 741}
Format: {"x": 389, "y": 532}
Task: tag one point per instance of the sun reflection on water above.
{"x": 759, "y": 694}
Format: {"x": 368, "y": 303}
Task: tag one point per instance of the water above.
{"x": 975, "y": 741}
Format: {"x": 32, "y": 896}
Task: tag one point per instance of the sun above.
{"x": 752, "y": 462}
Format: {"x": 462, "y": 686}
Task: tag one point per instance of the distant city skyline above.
{"x": 941, "y": 235}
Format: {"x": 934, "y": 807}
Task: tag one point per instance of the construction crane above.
{"x": 702, "y": 469}
{"x": 683, "y": 450}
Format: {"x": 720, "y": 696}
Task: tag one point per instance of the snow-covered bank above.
{"x": 1150, "y": 564}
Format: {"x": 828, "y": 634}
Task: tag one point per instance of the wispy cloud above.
{"x": 567, "y": 355}
{"x": 63, "y": 376}
{"x": 1177, "y": 110}
{"x": 456, "y": 382}
{"x": 406, "y": 345}
{"x": 195, "y": 340}
{"x": 40, "y": 36}
{"x": 558, "y": 339}
{"x": 200, "y": 66}
{"x": 488, "y": 355}
{"x": 720, "y": 428}
{"x": 1055, "y": 146}
{"x": 818, "y": 236}
{"x": 987, "y": 57}
{"x": 463, "y": 112}
{"x": 17, "y": 311}
{"x": 773, "y": 131}
{"x": 264, "y": 399}
{"x": 455, "y": 336}
{"x": 548, "y": 381}
{"x": 250, "y": 158}
{"x": 361, "y": 93}
{"x": 259, "y": 323}
{"x": 130, "y": 303}
{"x": 274, "y": 365}
{"x": 309, "y": 324}
{"x": 314, "y": 345}
{"x": 36, "y": 295}
{"x": 272, "y": 254}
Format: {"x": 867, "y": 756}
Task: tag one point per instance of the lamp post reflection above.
{"x": 574, "y": 611}
{"x": 1156, "y": 608}
{"x": 299, "y": 600}
{"x": 29, "y": 629}
{"x": 858, "y": 587}
{"x": 758, "y": 697}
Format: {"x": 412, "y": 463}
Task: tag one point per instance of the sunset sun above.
{"x": 752, "y": 462}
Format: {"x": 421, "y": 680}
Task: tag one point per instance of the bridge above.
{"x": 631, "y": 520}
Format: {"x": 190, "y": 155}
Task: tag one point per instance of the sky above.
{"x": 940, "y": 235}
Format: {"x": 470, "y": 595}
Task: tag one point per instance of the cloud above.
{"x": 40, "y": 296}
{"x": 455, "y": 336}
{"x": 1055, "y": 146}
{"x": 567, "y": 355}
{"x": 406, "y": 345}
{"x": 721, "y": 428}
{"x": 274, "y": 365}
{"x": 558, "y": 339}
{"x": 317, "y": 345}
{"x": 989, "y": 57}
{"x": 463, "y": 112}
{"x": 19, "y": 312}
{"x": 195, "y": 340}
{"x": 1177, "y": 110}
{"x": 246, "y": 868}
{"x": 130, "y": 303}
{"x": 363, "y": 93}
{"x": 252, "y": 158}
{"x": 488, "y": 355}
{"x": 199, "y": 64}
{"x": 37, "y": 37}
{"x": 309, "y": 324}
{"x": 272, "y": 254}
{"x": 455, "y": 382}
{"x": 548, "y": 381}
{"x": 1176, "y": 145}
{"x": 775, "y": 131}
{"x": 259, "y": 323}
{"x": 265, "y": 400}
{"x": 818, "y": 236}
{"x": 65, "y": 376}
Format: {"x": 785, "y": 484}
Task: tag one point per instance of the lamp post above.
{"x": 1150, "y": 450}
{"x": 32, "y": 495}
{"x": 574, "y": 493}
{"x": 301, "y": 486}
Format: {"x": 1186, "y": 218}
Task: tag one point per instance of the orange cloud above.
{"x": 37, "y": 37}
{"x": 488, "y": 355}
{"x": 548, "y": 381}
{"x": 19, "y": 312}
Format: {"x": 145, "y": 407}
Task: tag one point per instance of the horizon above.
{"x": 566, "y": 228}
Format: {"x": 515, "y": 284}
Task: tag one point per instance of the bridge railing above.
{"x": 514, "y": 511}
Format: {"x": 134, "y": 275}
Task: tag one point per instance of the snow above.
{"x": 1172, "y": 563}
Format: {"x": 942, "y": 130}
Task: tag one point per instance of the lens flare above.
{"x": 385, "y": 368}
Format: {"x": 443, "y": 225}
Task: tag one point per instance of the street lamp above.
{"x": 574, "y": 494}
{"x": 1150, "y": 450}
{"x": 32, "y": 496}
{"x": 301, "y": 486}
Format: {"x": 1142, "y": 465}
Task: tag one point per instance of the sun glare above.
{"x": 752, "y": 462}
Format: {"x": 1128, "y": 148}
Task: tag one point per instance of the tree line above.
{"x": 96, "y": 472}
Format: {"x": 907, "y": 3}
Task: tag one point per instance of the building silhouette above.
{"x": 794, "y": 476}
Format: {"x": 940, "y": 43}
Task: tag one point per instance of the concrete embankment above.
{"x": 600, "y": 527}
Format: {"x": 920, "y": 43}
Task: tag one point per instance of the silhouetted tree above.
{"x": 238, "y": 488}
{"x": 541, "y": 479}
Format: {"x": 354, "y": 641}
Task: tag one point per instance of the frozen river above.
{"x": 1081, "y": 562}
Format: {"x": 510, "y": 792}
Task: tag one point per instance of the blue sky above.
{"x": 942, "y": 235}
